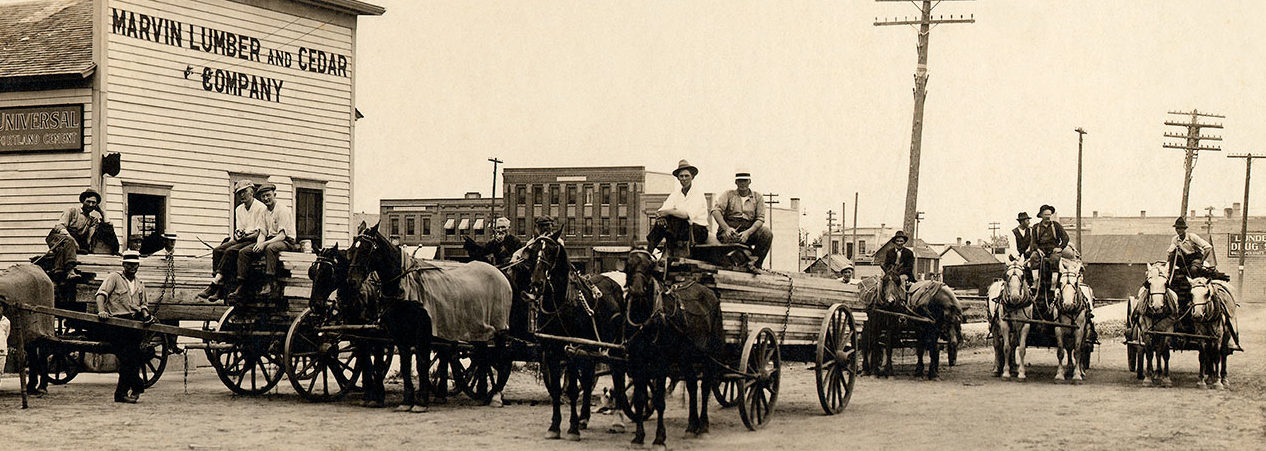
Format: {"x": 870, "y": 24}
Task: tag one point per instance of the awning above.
{"x": 464, "y": 225}
{"x": 427, "y": 252}
{"x": 479, "y": 224}
{"x": 612, "y": 249}
{"x": 448, "y": 225}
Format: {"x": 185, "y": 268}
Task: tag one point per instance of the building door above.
{"x": 309, "y": 204}
{"x": 146, "y": 222}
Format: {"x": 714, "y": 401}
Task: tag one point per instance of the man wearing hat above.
{"x": 898, "y": 261}
{"x": 73, "y": 231}
{"x": 740, "y": 217}
{"x": 1047, "y": 241}
{"x": 501, "y": 246}
{"x": 122, "y": 295}
{"x": 1021, "y": 237}
{"x": 684, "y": 215}
{"x": 248, "y": 219}
{"x": 277, "y": 234}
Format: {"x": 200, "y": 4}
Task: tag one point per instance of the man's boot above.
{"x": 212, "y": 290}
{"x": 241, "y": 292}
{"x": 268, "y": 290}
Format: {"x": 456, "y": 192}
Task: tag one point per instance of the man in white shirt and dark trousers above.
{"x": 122, "y": 295}
{"x": 277, "y": 234}
{"x": 683, "y": 218}
{"x": 248, "y": 218}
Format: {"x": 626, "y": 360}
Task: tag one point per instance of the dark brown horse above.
{"x": 882, "y": 332}
{"x": 352, "y": 305}
{"x": 566, "y": 304}
{"x": 673, "y": 331}
{"x": 32, "y": 334}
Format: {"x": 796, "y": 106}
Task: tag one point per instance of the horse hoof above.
{"x": 404, "y": 408}
{"x": 659, "y": 447}
{"x": 617, "y": 428}
{"x": 573, "y": 436}
{"x": 584, "y": 424}
{"x": 1167, "y": 382}
{"x": 419, "y": 409}
{"x": 1003, "y": 376}
{"x": 1200, "y": 385}
{"x": 934, "y": 378}
{"x": 496, "y": 401}
{"x": 375, "y": 404}
{"x": 1218, "y": 386}
{"x": 1060, "y": 377}
{"x": 1226, "y": 385}
{"x": 552, "y": 435}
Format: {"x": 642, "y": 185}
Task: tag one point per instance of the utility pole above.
{"x": 925, "y": 23}
{"x": 1248, "y": 174}
{"x": 918, "y": 218}
{"x": 1080, "y": 135}
{"x": 1208, "y": 229}
{"x": 492, "y": 203}
{"x": 993, "y": 232}
{"x": 854, "y": 240}
{"x": 771, "y": 201}
{"x": 1192, "y": 146}
{"x": 830, "y": 230}
{"x": 844, "y": 228}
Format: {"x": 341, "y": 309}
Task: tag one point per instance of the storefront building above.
{"x": 161, "y": 105}
{"x": 439, "y": 226}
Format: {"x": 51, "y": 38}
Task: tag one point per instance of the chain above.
{"x": 786, "y": 316}
{"x": 169, "y": 282}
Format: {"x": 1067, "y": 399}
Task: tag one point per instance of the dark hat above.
{"x": 266, "y": 187}
{"x": 1023, "y": 215}
{"x": 1044, "y": 208}
{"x": 1180, "y": 223}
{"x": 900, "y": 234}
{"x": 90, "y": 193}
{"x": 684, "y": 165}
{"x": 544, "y": 220}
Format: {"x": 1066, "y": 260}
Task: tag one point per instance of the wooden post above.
{"x": 1191, "y": 146}
{"x": 1248, "y": 176}
{"x": 18, "y": 326}
{"x": 492, "y": 201}
{"x": 854, "y": 240}
{"x": 1080, "y": 135}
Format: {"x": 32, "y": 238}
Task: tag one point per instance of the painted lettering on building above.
{"x": 42, "y": 128}
{"x": 1255, "y": 246}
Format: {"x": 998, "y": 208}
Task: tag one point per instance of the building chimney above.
{"x": 959, "y": 240}
{"x": 795, "y": 204}
{"x": 1228, "y": 212}
{"x": 1236, "y": 211}
{"x": 1094, "y": 214}
{"x": 473, "y": 195}
{"x": 1192, "y": 214}
{"x": 1142, "y": 213}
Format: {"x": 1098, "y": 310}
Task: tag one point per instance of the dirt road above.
{"x": 967, "y": 410}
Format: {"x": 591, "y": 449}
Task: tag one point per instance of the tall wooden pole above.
{"x": 492, "y": 205}
{"x": 925, "y": 23}
{"x": 1248, "y": 176}
{"x": 1191, "y": 146}
{"x": 1080, "y": 135}
{"x": 854, "y": 240}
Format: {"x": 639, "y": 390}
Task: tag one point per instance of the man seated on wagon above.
{"x": 500, "y": 247}
{"x": 276, "y": 235}
{"x": 683, "y": 218}
{"x": 1047, "y": 241}
{"x": 898, "y": 261}
{"x": 1188, "y": 255}
{"x": 740, "y": 218}
{"x": 73, "y": 232}
{"x": 248, "y": 218}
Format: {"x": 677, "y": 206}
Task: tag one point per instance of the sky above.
{"x": 816, "y": 102}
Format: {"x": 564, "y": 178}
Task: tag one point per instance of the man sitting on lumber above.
{"x": 248, "y": 218}
{"x": 277, "y": 234}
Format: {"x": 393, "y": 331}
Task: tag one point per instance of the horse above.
{"x": 567, "y": 304}
{"x": 1071, "y": 308}
{"x": 1156, "y": 311}
{"x": 462, "y": 302}
{"x": 679, "y": 325}
{"x": 32, "y": 334}
{"x": 1009, "y": 300}
{"x": 935, "y": 300}
{"x": 881, "y": 294}
{"x": 1212, "y": 310}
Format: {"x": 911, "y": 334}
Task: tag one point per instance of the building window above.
{"x": 835, "y": 247}
{"x": 521, "y": 226}
{"x": 538, "y": 194}
{"x": 588, "y": 226}
{"x": 309, "y": 208}
{"x": 146, "y": 209}
{"x": 410, "y": 226}
{"x": 606, "y": 194}
{"x": 588, "y": 194}
{"x": 426, "y": 226}
{"x": 571, "y": 227}
{"x": 624, "y": 226}
{"x": 624, "y": 194}
{"x": 450, "y": 226}
{"x": 395, "y": 225}
{"x": 479, "y": 225}
{"x": 520, "y": 194}
{"x": 571, "y": 194}
{"x": 861, "y": 247}
{"x": 553, "y": 195}
{"x": 606, "y": 226}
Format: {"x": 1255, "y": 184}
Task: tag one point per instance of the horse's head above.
{"x": 1070, "y": 298}
{"x": 639, "y": 280}
{"x": 371, "y": 252}
{"x": 892, "y": 291}
{"x": 1017, "y": 286}
{"x": 328, "y": 273}
{"x": 1202, "y": 306}
{"x": 1157, "y": 284}
{"x": 547, "y": 259}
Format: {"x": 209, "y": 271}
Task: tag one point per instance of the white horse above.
{"x": 1009, "y": 300}
{"x": 1213, "y": 313}
{"x": 1156, "y": 311}
{"x": 1072, "y": 308}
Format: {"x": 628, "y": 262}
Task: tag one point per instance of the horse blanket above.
{"x": 466, "y": 301}
{"x": 921, "y": 294}
{"x": 28, "y": 284}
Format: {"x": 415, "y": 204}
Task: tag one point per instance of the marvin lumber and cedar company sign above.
{"x": 42, "y": 128}
{"x": 1255, "y": 246}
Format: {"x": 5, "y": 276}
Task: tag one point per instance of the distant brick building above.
{"x": 439, "y": 225}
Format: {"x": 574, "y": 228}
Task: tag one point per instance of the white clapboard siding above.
{"x": 173, "y": 133}
{"x": 36, "y": 187}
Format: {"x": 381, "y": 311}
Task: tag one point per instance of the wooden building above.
{"x": 192, "y": 95}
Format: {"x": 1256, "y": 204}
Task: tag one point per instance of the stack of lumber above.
{"x": 192, "y": 275}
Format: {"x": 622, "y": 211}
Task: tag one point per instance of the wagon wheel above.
{"x": 486, "y": 374}
{"x": 251, "y": 366}
{"x": 622, "y": 389}
{"x": 154, "y": 354}
{"x": 762, "y": 363}
{"x": 456, "y": 382}
{"x": 64, "y": 365}
{"x": 727, "y": 392}
{"x": 321, "y": 366}
{"x": 836, "y": 369}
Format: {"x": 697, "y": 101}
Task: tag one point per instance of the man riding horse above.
{"x": 1048, "y": 240}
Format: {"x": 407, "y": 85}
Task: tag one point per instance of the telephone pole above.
{"x": 492, "y": 202}
{"x": 1080, "y": 135}
{"x": 925, "y": 23}
{"x": 1208, "y": 230}
{"x": 918, "y": 218}
{"x": 1248, "y": 175}
{"x": 843, "y": 228}
{"x": 854, "y": 240}
{"x": 1192, "y": 145}
{"x": 993, "y": 232}
{"x": 771, "y": 200}
{"x": 830, "y": 230}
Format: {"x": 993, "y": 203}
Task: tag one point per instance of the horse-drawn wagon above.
{"x": 1157, "y": 322}
{"x": 1059, "y": 316}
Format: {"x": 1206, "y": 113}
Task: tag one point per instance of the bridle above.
{"x": 1208, "y": 307}
{"x": 1015, "y": 270}
{"x": 548, "y": 286}
{"x": 1071, "y": 278}
{"x": 1157, "y": 289}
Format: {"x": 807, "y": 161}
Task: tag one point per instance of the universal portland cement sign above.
{"x": 42, "y": 128}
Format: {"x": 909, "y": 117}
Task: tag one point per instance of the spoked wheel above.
{"x": 727, "y": 392}
{"x": 762, "y": 365}
{"x": 154, "y": 353}
{"x": 252, "y": 366}
{"x": 836, "y": 369}
{"x": 486, "y": 373}
{"x": 321, "y": 366}
{"x": 622, "y": 388}
{"x": 64, "y": 365}
{"x": 455, "y": 383}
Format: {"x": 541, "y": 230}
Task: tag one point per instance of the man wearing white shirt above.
{"x": 684, "y": 214}
{"x": 277, "y": 234}
{"x": 248, "y": 218}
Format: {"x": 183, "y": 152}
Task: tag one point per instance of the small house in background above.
{"x": 966, "y": 255}
{"x": 1116, "y": 264}
{"x": 830, "y": 266}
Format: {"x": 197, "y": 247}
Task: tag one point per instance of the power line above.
{"x": 1192, "y": 145}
